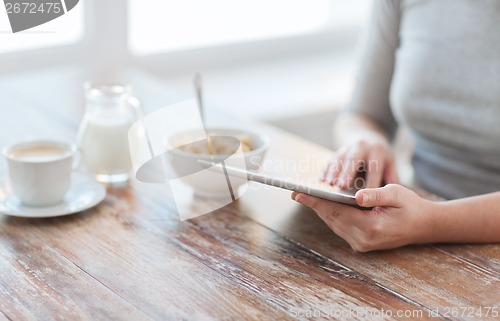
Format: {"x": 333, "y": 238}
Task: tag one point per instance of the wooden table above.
{"x": 263, "y": 257}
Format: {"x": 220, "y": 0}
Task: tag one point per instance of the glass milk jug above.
{"x": 110, "y": 110}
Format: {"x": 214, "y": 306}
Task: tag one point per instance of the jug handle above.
{"x": 136, "y": 104}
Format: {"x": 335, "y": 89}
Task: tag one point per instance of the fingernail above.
{"x": 299, "y": 199}
{"x": 365, "y": 198}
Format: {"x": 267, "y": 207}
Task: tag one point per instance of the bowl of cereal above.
{"x": 233, "y": 147}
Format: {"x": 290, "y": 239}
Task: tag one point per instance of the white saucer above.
{"x": 83, "y": 194}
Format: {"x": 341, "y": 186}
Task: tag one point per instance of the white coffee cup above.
{"x": 40, "y": 171}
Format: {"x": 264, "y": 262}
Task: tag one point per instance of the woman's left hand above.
{"x": 399, "y": 217}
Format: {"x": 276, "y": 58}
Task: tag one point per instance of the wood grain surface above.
{"x": 263, "y": 257}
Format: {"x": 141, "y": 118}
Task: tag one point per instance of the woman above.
{"x": 433, "y": 66}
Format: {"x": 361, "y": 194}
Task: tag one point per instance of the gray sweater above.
{"x": 434, "y": 66}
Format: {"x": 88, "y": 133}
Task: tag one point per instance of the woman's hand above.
{"x": 371, "y": 153}
{"x": 399, "y": 217}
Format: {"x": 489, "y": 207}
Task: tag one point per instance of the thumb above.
{"x": 389, "y": 195}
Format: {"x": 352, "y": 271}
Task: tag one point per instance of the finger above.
{"x": 331, "y": 211}
{"x": 389, "y": 195}
{"x": 390, "y": 172}
{"x": 335, "y": 167}
{"x": 324, "y": 174}
{"x": 340, "y": 228}
{"x": 320, "y": 205}
{"x": 294, "y": 194}
{"x": 350, "y": 167}
{"x": 345, "y": 225}
{"x": 334, "y": 171}
{"x": 347, "y": 232}
{"x": 375, "y": 168}
{"x": 329, "y": 168}
{"x": 341, "y": 219}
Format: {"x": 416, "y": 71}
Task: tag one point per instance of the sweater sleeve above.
{"x": 378, "y": 50}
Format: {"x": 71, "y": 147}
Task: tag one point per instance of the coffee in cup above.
{"x": 40, "y": 171}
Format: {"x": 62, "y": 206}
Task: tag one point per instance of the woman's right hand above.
{"x": 373, "y": 154}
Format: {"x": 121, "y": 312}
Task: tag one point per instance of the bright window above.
{"x": 170, "y": 25}
{"x": 64, "y": 30}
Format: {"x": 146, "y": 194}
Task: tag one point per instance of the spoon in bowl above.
{"x": 197, "y": 80}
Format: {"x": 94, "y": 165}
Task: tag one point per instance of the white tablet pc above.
{"x": 285, "y": 184}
